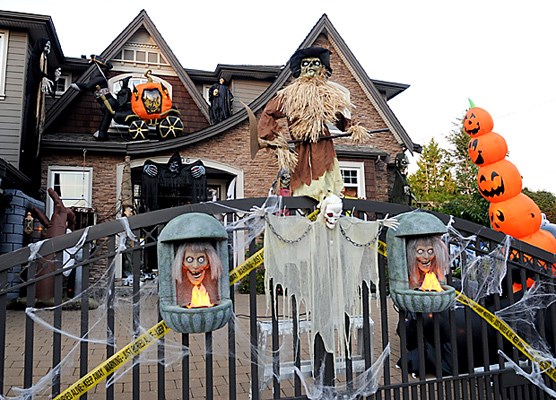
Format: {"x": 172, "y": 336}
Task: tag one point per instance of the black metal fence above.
{"x": 449, "y": 355}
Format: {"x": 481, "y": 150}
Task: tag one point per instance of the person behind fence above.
{"x": 196, "y": 269}
{"x": 427, "y": 255}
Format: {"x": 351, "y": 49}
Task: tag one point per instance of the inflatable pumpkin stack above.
{"x": 511, "y": 211}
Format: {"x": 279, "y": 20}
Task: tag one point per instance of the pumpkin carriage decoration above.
{"x": 194, "y": 283}
{"x": 151, "y": 106}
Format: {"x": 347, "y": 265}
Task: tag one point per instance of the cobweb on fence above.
{"x": 523, "y": 316}
{"x": 127, "y": 327}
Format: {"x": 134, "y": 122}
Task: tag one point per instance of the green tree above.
{"x": 546, "y": 202}
{"x": 432, "y": 183}
{"x": 457, "y": 194}
{"x": 467, "y": 203}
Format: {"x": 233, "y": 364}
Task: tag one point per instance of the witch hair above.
{"x": 206, "y": 247}
{"x": 440, "y": 264}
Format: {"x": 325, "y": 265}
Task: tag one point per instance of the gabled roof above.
{"x": 141, "y": 21}
{"x": 323, "y": 26}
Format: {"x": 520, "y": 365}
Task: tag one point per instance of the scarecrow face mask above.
{"x": 311, "y": 66}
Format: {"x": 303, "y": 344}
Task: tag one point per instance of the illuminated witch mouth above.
{"x": 196, "y": 275}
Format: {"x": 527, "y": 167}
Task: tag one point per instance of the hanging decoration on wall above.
{"x": 173, "y": 183}
{"x": 499, "y": 181}
{"x": 418, "y": 263}
{"x": 194, "y": 283}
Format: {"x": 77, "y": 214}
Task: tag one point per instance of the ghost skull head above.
{"x": 331, "y": 208}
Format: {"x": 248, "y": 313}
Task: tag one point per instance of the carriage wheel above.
{"x": 138, "y": 130}
{"x": 171, "y": 126}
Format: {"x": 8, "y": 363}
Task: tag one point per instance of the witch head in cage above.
{"x": 194, "y": 283}
{"x": 196, "y": 270}
{"x": 418, "y": 262}
{"x": 427, "y": 263}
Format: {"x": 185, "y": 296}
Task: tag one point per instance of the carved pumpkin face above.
{"x": 487, "y": 149}
{"x": 150, "y": 100}
{"x": 477, "y": 122}
{"x": 518, "y": 217}
{"x": 499, "y": 181}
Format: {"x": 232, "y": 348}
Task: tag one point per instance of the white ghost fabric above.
{"x": 323, "y": 268}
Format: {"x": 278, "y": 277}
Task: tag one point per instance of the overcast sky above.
{"x": 498, "y": 53}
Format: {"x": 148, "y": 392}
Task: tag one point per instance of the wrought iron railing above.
{"x": 257, "y": 354}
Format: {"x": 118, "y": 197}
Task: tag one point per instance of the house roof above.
{"x": 38, "y": 26}
{"x": 279, "y": 74}
{"x": 141, "y": 21}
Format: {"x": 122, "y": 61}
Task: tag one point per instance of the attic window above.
{"x": 141, "y": 56}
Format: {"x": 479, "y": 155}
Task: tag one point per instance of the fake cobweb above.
{"x": 481, "y": 276}
{"x": 129, "y": 324}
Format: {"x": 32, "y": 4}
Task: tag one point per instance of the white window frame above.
{"x": 67, "y": 83}
{"x": 87, "y": 189}
{"x": 135, "y": 80}
{"x": 206, "y": 90}
{"x": 359, "y": 169}
{"x": 4, "y": 39}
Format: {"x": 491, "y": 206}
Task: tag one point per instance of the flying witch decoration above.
{"x": 300, "y": 114}
{"x": 323, "y": 264}
{"x": 499, "y": 182}
{"x": 194, "y": 285}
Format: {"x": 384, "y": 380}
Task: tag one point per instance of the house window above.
{"x": 353, "y": 174}
{"x": 114, "y": 83}
{"x": 206, "y": 90}
{"x": 141, "y": 57}
{"x": 3, "y": 61}
{"x": 73, "y": 185}
{"x": 62, "y": 84}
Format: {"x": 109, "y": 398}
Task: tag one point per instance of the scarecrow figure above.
{"x": 310, "y": 104}
{"x": 220, "y": 98}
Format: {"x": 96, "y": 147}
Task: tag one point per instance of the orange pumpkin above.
{"x": 487, "y": 149}
{"x": 499, "y": 181}
{"x": 518, "y": 217}
{"x": 477, "y": 122}
{"x": 150, "y": 100}
{"x": 542, "y": 239}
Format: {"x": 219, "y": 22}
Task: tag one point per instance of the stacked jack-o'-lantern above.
{"x": 511, "y": 211}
